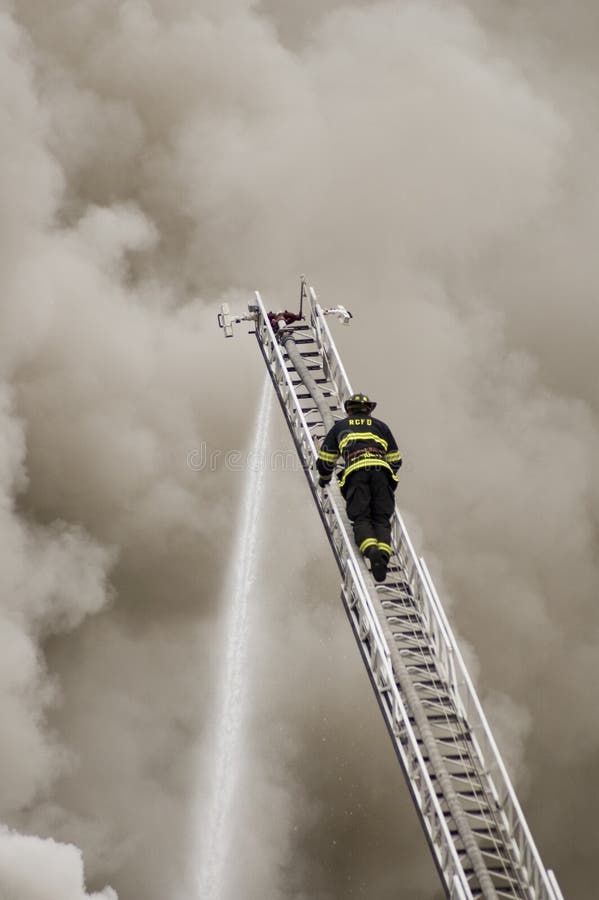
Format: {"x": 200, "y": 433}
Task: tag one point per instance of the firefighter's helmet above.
{"x": 359, "y": 403}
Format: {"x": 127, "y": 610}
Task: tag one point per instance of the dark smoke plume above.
{"x": 430, "y": 165}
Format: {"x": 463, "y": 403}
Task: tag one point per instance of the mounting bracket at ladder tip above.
{"x": 340, "y": 311}
{"x": 226, "y": 319}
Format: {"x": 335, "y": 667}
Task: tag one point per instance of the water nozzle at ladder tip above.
{"x": 226, "y": 319}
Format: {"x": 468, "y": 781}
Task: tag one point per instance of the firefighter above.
{"x": 368, "y": 480}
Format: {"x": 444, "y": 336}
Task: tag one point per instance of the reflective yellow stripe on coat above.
{"x": 328, "y": 457}
{"x": 367, "y": 464}
{"x": 362, "y": 436}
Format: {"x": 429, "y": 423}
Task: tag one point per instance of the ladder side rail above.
{"x": 338, "y": 375}
{"x": 450, "y": 656}
{"x": 444, "y": 630}
{"x": 438, "y": 626}
{"x": 556, "y": 888}
{"x": 509, "y": 804}
{"x": 273, "y": 357}
{"x": 474, "y": 753}
{"x": 464, "y": 704}
{"x": 489, "y": 759}
{"x": 407, "y": 749}
{"x": 441, "y": 636}
{"x": 305, "y": 441}
{"x": 350, "y": 564}
{"x": 457, "y": 891}
{"x": 334, "y": 368}
{"x": 347, "y": 560}
{"x": 365, "y": 624}
{"x": 303, "y": 438}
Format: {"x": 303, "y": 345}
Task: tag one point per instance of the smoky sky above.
{"x": 431, "y": 166}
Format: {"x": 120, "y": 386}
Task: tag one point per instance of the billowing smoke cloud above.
{"x": 430, "y": 165}
{"x": 43, "y": 870}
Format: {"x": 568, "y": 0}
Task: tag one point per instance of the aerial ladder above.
{"x": 475, "y": 828}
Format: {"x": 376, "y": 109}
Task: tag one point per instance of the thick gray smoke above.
{"x": 431, "y": 165}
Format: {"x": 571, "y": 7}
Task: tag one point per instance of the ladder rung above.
{"x": 299, "y": 381}
{"x": 305, "y": 396}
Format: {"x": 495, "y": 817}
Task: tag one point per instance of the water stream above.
{"x": 232, "y": 679}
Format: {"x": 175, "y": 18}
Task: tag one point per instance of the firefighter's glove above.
{"x": 323, "y": 482}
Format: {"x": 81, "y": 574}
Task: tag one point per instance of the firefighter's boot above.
{"x": 378, "y": 564}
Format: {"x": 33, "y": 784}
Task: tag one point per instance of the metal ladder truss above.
{"x": 471, "y": 817}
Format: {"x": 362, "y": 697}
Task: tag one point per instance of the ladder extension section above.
{"x": 471, "y": 817}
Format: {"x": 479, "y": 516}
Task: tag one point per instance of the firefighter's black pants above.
{"x": 369, "y": 496}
